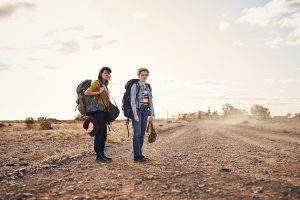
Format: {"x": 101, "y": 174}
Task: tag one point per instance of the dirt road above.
{"x": 200, "y": 160}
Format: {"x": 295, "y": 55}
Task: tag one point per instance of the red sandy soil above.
{"x": 189, "y": 160}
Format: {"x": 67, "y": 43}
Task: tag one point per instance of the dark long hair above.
{"x": 100, "y": 75}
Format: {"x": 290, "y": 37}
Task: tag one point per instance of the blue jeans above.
{"x": 139, "y": 129}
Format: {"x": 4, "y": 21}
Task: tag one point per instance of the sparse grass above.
{"x": 37, "y": 155}
{"x": 245, "y": 122}
{"x": 59, "y": 154}
{"x": 113, "y": 141}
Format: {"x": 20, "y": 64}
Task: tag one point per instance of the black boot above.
{"x": 107, "y": 158}
{"x": 139, "y": 159}
{"x": 101, "y": 158}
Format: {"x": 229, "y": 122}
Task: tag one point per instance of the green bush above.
{"x": 79, "y": 117}
{"x": 29, "y": 121}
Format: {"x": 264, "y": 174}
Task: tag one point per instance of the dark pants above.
{"x": 100, "y": 136}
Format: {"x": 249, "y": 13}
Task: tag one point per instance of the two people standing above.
{"x": 142, "y": 107}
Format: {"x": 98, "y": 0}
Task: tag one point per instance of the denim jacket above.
{"x": 136, "y": 99}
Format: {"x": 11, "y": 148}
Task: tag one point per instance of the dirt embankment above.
{"x": 196, "y": 160}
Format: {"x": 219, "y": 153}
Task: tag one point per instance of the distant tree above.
{"x": 53, "y": 120}
{"x": 192, "y": 115}
{"x": 297, "y": 115}
{"x": 178, "y": 116}
{"x": 40, "y": 119}
{"x": 199, "y": 114}
{"x": 289, "y": 115}
{"x": 208, "y": 111}
{"x": 215, "y": 113}
{"x": 261, "y": 111}
{"x": 229, "y": 110}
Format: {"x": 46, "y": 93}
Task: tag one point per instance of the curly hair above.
{"x": 140, "y": 70}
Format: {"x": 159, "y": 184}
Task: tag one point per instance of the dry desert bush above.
{"x": 2, "y": 125}
{"x": 37, "y": 155}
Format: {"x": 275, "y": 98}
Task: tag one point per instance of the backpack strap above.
{"x": 127, "y": 123}
{"x": 138, "y": 87}
{"x": 84, "y": 102}
{"x": 149, "y": 86}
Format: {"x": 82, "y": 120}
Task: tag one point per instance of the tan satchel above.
{"x": 153, "y": 134}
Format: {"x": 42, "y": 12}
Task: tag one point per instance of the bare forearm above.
{"x": 91, "y": 93}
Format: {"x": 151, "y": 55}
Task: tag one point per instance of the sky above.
{"x": 200, "y": 54}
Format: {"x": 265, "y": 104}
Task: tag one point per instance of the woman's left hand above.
{"x": 151, "y": 118}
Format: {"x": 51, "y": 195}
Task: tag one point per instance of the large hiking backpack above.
{"x": 126, "y": 105}
{"x": 85, "y": 104}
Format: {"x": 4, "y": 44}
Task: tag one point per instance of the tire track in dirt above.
{"x": 253, "y": 155}
{"x": 281, "y": 144}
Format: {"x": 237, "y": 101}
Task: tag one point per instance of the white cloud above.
{"x": 269, "y": 80}
{"x": 139, "y": 15}
{"x": 275, "y": 41}
{"x": 51, "y": 67}
{"x": 4, "y": 66}
{"x": 270, "y": 13}
{"x": 224, "y": 15}
{"x": 96, "y": 36}
{"x": 292, "y": 21}
{"x": 71, "y": 46}
{"x": 238, "y": 43}
{"x": 293, "y": 38}
{"x": 96, "y": 45}
{"x": 276, "y": 14}
{"x": 74, "y": 28}
{"x": 112, "y": 41}
{"x": 289, "y": 81}
{"x": 8, "y": 10}
{"x": 223, "y": 25}
{"x": 7, "y": 48}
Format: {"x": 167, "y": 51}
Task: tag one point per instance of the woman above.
{"x": 142, "y": 106}
{"x": 99, "y": 90}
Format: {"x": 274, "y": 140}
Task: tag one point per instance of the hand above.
{"x": 101, "y": 89}
{"x": 136, "y": 118}
{"x": 151, "y": 118}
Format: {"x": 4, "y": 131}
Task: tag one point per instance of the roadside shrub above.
{"x": 79, "y": 117}
{"x": 2, "y": 125}
{"x": 45, "y": 125}
{"x": 29, "y": 122}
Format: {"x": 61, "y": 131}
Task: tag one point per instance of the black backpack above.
{"x": 126, "y": 105}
